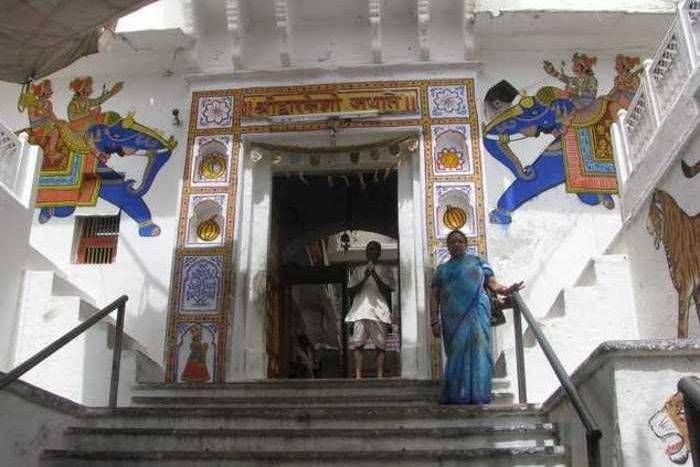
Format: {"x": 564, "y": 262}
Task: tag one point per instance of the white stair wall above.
{"x": 599, "y": 308}
{"x": 81, "y": 370}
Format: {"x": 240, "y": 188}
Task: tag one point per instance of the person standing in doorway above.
{"x": 371, "y": 285}
{"x": 460, "y": 303}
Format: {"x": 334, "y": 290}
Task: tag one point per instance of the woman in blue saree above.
{"x": 459, "y": 295}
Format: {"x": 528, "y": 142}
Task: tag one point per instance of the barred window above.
{"x": 98, "y": 239}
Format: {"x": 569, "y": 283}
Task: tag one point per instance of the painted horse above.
{"x": 550, "y": 112}
{"x": 114, "y": 135}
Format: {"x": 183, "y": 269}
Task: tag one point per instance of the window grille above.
{"x": 98, "y": 239}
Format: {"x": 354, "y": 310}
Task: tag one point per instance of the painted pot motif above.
{"x": 454, "y": 218}
{"x": 209, "y": 230}
{"x": 213, "y": 166}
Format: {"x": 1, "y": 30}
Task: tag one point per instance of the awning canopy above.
{"x": 39, "y": 37}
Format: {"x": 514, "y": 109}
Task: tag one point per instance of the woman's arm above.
{"x": 496, "y": 287}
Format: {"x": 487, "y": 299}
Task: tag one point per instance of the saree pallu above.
{"x": 465, "y": 313}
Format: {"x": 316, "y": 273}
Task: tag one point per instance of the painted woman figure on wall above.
{"x": 196, "y": 370}
{"x": 459, "y": 296}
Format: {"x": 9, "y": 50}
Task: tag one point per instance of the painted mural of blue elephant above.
{"x": 123, "y": 137}
{"x": 544, "y": 113}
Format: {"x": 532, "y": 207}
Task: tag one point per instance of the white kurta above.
{"x": 369, "y": 303}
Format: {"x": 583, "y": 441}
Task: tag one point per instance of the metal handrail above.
{"x": 119, "y": 305}
{"x": 593, "y": 433}
{"x": 689, "y": 386}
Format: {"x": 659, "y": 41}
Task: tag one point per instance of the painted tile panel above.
{"x": 196, "y": 352}
{"x": 451, "y": 150}
{"x": 215, "y": 112}
{"x": 212, "y": 160}
{"x": 448, "y": 101}
{"x": 206, "y": 220}
{"x": 201, "y": 284}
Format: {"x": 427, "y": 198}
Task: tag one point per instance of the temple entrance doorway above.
{"x": 320, "y": 225}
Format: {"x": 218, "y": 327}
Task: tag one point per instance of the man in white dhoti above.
{"x": 371, "y": 285}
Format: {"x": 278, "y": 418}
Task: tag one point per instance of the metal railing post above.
{"x": 593, "y": 433}
{"x": 120, "y": 305}
{"x": 117, "y": 356}
{"x": 519, "y": 354}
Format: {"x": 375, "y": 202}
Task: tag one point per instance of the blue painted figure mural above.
{"x": 580, "y": 152}
{"x": 74, "y": 170}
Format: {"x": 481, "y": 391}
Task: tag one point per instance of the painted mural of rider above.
{"x": 626, "y": 80}
{"x": 42, "y": 120}
{"x": 582, "y": 88}
{"x": 85, "y": 111}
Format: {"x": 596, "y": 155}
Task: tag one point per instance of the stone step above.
{"x": 310, "y": 439}
{"x": 541, "y": 456}
{"x": 301, "y": 400}
{"x": 307, "y": 388}
{"x": 424, "y": 416}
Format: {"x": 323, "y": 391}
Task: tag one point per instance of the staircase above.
{"x": 308, "y": 423}
{"x": 599, "y": 307}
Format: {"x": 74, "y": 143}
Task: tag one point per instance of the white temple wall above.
{"x": 14, "y": 250}
{"x": 528, "y": 249}
{"x": 142, "y": 266}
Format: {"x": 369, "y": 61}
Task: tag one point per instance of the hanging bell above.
{"x": 345, "y": 241}
{"x": 394, "y": 149}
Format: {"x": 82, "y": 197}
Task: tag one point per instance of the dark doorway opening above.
{"x": 319, "y": 228}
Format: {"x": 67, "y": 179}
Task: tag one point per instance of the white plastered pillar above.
{"x": 415, "y": 340}
{"x": 247, "y": 357}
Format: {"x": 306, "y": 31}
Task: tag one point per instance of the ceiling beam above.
{"x": 234, "y": 25}
{"x": 375, "y": 23}
{"x": 423, "y": 11}
{"x": 468, "y": 20}
{"x": 283, "y": 30}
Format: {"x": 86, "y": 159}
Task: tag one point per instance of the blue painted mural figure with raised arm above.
{"x": 461, "y": 312}
{"x": 371, "y": 285}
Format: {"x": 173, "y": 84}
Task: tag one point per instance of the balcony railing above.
{"x": 662, "y": 84}
{"x": 10, "y": 152}
{"x": 18, "y": 165}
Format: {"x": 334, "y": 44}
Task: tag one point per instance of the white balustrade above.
{"x": 662, "y": 82}
{"x": 639, "y": 124}
{"x": 10, "y": 158}
{"x": 19, "y": 165}
{"x": 689, "y": 18}
{"x": 670, "y": 68}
